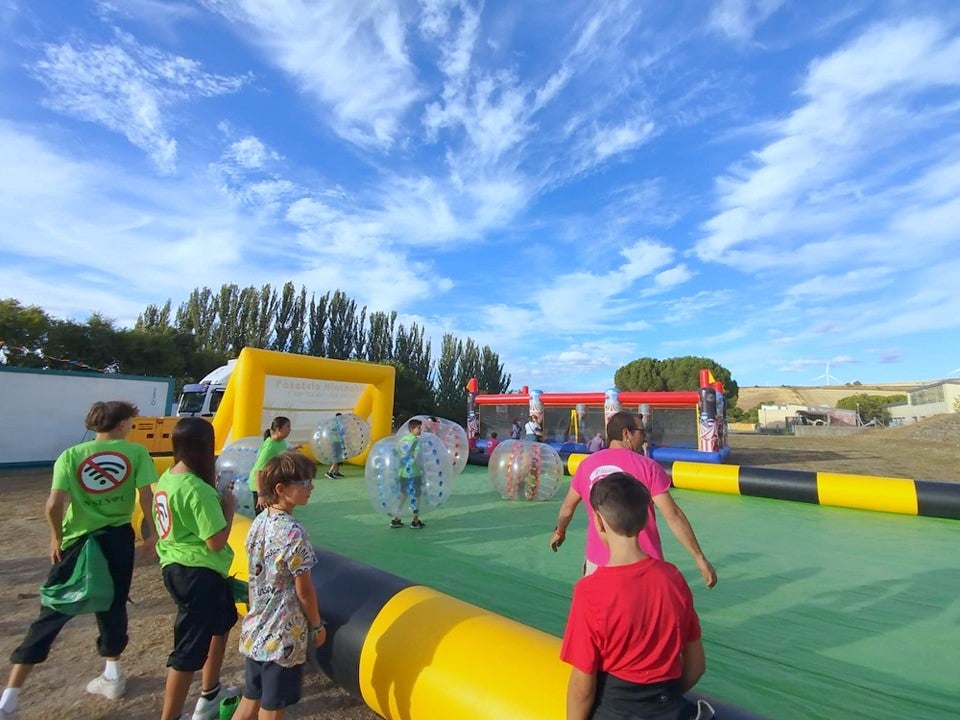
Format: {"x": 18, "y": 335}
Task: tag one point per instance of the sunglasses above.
{"x": 302, "y": 483}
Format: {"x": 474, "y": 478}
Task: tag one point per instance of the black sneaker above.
{"x": 396, "y": 523}
{"x": 330, "y": 475}
{"x": 417, "y": 524}
{"x": 338, "y": 474}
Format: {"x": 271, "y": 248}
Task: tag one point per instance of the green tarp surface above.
{"x": 819, "y": 612}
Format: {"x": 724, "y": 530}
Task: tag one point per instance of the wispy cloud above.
{"x": 350, "y": 58}
{"x": 801, "y": 184}
{"x": 739, "y": 19}
{"x": 129, "y": 89}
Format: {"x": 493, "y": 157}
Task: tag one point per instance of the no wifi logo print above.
{"x": 103, "y": 472}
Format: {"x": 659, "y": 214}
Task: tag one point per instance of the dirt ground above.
{"x": 56, "y": 688}
{"x": 928, "y": 450}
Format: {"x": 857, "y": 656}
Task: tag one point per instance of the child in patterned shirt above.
{"x": 283, "y": 609}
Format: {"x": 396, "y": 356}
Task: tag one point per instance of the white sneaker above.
{"x": 112, "y": 689}
{"x": 210, "y": 709}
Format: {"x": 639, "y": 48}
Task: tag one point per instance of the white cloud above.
{"x": 824, "y": 173}
{"x": 128, "y": 89}
{"x": 250, "y": 153}
{"x": 622, "y": 138}
{"x": 350, "y": 57}
{"x": 739, "y": 19}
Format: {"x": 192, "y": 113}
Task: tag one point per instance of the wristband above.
{"x": 561, "y": 533}
{"x": 318, "y": 628}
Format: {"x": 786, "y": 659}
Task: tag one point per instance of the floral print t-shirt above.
{"x": 275, "y": 628}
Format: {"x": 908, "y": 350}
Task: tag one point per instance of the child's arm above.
{"x": 307, "y": 595}
{"x": 581, "y": 691}
{"x": 218, "y": 540}
{"x": 694, "y": 664}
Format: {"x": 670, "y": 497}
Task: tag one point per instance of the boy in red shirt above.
{"x": 632, "y": 636}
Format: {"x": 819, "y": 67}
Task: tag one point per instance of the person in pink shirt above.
{"x": 625, "y": 437}
{"x": 492, "y": 443}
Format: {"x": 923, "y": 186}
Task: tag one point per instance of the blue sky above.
{"x": 773, "y": 184}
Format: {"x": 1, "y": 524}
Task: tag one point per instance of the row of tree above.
{"x": 213, "y": 326}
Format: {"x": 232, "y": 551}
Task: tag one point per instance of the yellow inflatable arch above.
{"x": 308, "y": 390}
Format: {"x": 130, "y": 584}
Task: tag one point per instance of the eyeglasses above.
{"x": 302, "y": 483}
{"x": 639, "y": 430}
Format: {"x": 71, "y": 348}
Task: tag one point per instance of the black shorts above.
{"x": 274, "y": 686}
{"x": 205, "y": 609}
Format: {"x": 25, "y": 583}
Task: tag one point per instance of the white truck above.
{"x": 203, "y": 398}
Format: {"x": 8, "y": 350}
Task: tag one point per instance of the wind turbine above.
{"x": 827, "y": 376}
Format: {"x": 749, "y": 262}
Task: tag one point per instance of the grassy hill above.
{"x": 751, "y": 397}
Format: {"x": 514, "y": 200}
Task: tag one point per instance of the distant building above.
{"x": 782, "y": 417}
{"x": 938, "y": 398}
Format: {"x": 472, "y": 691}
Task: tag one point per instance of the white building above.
{"x": 938, "y": 398}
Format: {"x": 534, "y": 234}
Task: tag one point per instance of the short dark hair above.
{"x": 104, "y": 417}
{"x": 414, "y": 424}
{"x": 620, "y": 421}
{"x": 283, "y": 469}
{"x": 623, "y": 501}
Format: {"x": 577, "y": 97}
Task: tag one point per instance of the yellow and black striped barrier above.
{"x": 861, "y": 492}
{"x": 414, "y": 653}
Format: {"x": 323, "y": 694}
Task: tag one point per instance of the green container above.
{"x": 228, "y": 706}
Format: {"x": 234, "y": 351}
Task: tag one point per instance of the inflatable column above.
{"x": 708, "y": 419}
{"x": 721, "y": 421}
{"x": 611, "y": 405}
{"x": 536, "y": 408}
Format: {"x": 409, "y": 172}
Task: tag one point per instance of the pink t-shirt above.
{"x": 600, "y": 464}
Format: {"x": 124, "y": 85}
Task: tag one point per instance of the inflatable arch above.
{"x": 265, "y": 383}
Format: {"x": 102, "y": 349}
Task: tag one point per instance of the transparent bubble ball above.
{"x": 406, "y": 477}
{"x": 525, "y": 471}
{"x": 339, "y": 438}
{"x": 237, "y": 459}
{"x": 452, "y": 435}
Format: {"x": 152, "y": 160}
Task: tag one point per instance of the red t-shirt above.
{"x": 632, "y": 621}
{"x": 603, "y": 463}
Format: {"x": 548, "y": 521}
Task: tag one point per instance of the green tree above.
{"x": 298, "y": 323}
{"x": 344, "y": 328}
{"x": 449, "y": 393}
{"x": 492, "y": 378}
{"x": 284, "y": 316}
{"x": 380, "y": 336}
{"x": 412, "y": 350}
{"x": 197, "y": 316}
{"x": 155, "y": 318}
{"x": 412, "y": 395}
{"x": 23, "y": 327}
{"x": 672, "y": 374}
{"x": 315, "y": 343}
{"x": 871, "y": 407}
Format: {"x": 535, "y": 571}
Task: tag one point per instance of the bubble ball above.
{"x": 340, "y": 437}
{"x": 399, "y": 481}
{"x": 453, "y": 437}
{"x": 237, "y": 459}
{"x": 525, "y": 471}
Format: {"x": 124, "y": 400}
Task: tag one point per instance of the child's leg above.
{"x": 210, "y": 674}
{"x": 175, "y": 693}
{"x": 249, "y": 709}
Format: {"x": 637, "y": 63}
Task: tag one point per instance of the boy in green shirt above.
{"x": 410, "y": 473}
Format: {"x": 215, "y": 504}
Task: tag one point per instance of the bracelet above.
{"x": 318, "y": 628}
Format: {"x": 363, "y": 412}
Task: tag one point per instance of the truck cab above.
{"x": 203, "y": 398}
